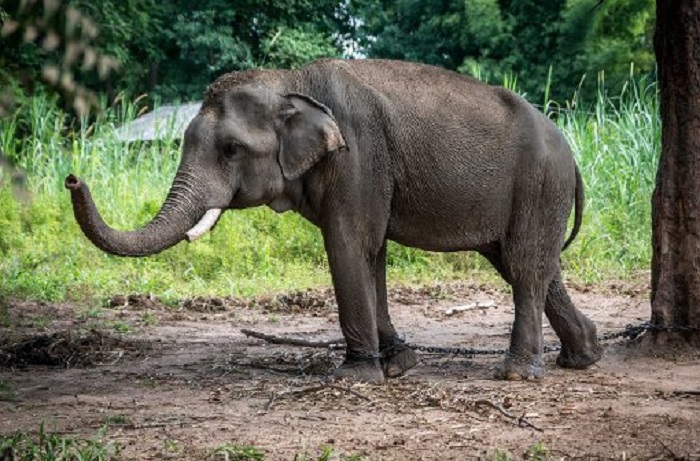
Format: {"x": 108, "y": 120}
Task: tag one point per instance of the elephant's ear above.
{"x": 309, "y": 132}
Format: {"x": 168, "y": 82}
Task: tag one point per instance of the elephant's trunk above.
{"x": 181, "y": 216}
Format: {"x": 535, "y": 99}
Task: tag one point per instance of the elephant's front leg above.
{"x": 352, "y": 269}
{"x": 397, "y": 357}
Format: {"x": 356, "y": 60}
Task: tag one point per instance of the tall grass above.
{"x": 617, "y": 146}
{"x": 44, "y": 255}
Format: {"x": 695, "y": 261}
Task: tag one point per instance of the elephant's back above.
{"x": 415, "y": 85}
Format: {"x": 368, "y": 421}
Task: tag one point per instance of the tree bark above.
{"x": 675, "y": 275}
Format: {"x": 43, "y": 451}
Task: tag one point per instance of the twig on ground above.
{"x": 153, "y": 424}
{"x": 272, "y": 368}
{"x": 270, "y": 402}
{"x": 519, "y": 420}
{"x": 169, "y": 422}
{"x": 685, "y": 392}
{"x": 470, "y": 307}
{"x": 666, "y": 448}
{"x": 333, "y": 344}
{"x": 40, "y": 387}
{"x": 312, "y": 389}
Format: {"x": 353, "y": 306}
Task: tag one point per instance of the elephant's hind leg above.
{"x": 396, "y": 357}
{"x": 579, "y": 343}
{"x": 576, "y": 332}
{"x": 524, "y": 356}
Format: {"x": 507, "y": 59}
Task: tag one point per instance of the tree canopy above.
{"x": 174, "y": 49}
{"x": 502, "y": 39}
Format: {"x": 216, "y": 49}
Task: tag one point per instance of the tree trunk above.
{"x": 675, "y": 275}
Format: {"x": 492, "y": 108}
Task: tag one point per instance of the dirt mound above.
{"x": 201, "y": 304}
{"x": 306, "y": 301}
{"x": 135, "y": 301}
{"x": 309, "y": 301}
{"x": 429, "y": 294}
{"x": 69, "y": 349}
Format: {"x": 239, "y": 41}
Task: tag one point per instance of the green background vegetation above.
{"x": 174, "y": 49}
{"x": 44, "y": 254}
{"x": 554, "y": 52}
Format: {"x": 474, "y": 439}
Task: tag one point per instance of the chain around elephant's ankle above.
{"x": 355, "y": 356}
{"x": 393, "y": 348}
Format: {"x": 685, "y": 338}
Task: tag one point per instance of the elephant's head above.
{"x": 250, "y": 138}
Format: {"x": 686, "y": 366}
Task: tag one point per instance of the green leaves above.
{"x": 292, "y": 48}
{"x": 220, "y": 36}
{"x": 172, "y": 49}
{"x": 497, "y": 39}
{"x": 55, "y": 41}
{"x": 207, "y": 42}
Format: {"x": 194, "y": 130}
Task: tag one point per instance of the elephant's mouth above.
{"x": 206, "y": 223}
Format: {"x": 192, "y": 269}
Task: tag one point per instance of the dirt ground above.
{"x": 184, "y": 380}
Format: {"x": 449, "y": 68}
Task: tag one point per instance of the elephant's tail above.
{"x": 578, "y": 208}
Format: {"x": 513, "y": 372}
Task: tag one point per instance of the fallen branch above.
{"x": 312, "y": 389}
{"x": 272, "y": 368}
{"x": 470, "y": 307}
{"x": 332, "y": 344}
{"x": 691, "y": 392}
{"x": 666, "y": 448}
{"x": 519, "y": 420}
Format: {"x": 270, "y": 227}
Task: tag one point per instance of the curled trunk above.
{"x": 180, "y": 212}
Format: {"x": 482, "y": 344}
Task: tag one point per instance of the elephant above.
{"x": 376, "y": 150}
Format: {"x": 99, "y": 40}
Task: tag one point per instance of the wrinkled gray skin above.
{"x": 376, "y": 150}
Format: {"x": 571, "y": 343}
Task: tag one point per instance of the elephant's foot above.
{"x": 580, "y": 357}
{"x": 577, "y": 333}
{"x": 580, "y": 349}
{"x": 515, "y": 368}
{"x": 397, "y": 359}
{"x": 360, "y": 367}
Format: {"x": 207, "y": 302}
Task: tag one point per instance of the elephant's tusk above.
{"x": 204, "y": 224}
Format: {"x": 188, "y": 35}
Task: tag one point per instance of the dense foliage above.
{"x": 174, "y": 49}
{"x": 499, "y": 39}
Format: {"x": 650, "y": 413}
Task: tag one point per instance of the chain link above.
{"x": 630, "y": 332}
{"x": 470, "y": 352}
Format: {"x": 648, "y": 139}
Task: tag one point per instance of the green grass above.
{"x": 43, "y": 254}
{"x": 121, "y": 327}
{"x": 235, "y": 452}
{"x": 537, "y": 452}
{"x": 7, "y": 392}
{"x": 116, "y": 420}
{"x": 50, "y": 447}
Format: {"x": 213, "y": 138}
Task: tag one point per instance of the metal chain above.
{"x": 470, "y": 352}
{"x": 630, "y": 332}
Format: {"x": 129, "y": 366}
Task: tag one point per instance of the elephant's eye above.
{"x": 231, "y": 149}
